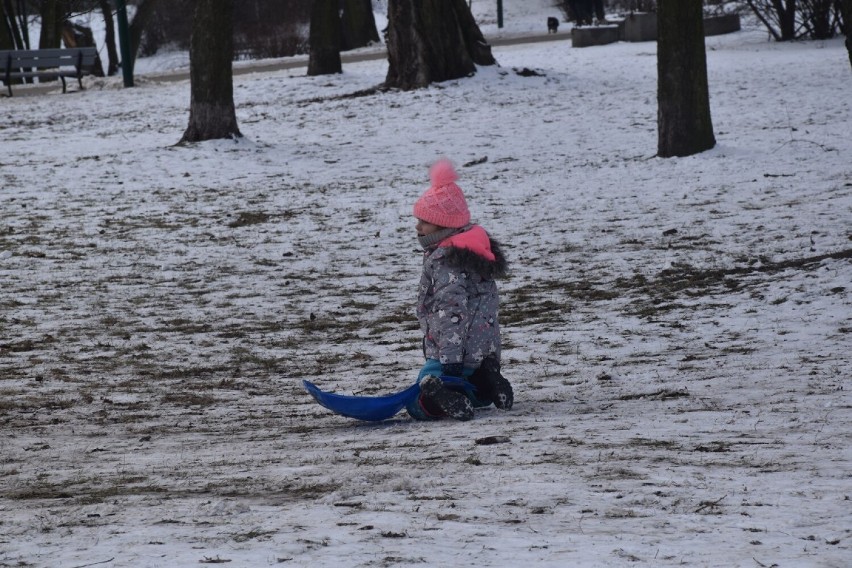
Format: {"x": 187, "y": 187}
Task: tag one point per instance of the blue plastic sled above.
{"x": 372, "y": 408}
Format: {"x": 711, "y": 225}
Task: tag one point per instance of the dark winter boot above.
{"x": 441, "y": 401}
{"x": 491, "y": 385}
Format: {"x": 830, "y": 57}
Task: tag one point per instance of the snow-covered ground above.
{"x": 677, "y": 330}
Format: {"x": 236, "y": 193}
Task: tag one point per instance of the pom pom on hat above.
{"x": 442, "y": 173}
{"x": 443, "y": 204}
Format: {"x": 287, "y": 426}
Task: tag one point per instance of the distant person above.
{"x": 600, "y": 13}
{"x": 457, "y": 306}
{"x": 588, "y": 11}
{"x": 582, "y": 11}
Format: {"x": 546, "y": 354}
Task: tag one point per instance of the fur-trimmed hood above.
{"x": 474, "y": 250}
{"x": 466, "y": 259}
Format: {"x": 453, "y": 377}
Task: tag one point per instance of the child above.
{"x": 457, "y": 306}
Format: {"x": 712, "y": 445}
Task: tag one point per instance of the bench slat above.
{"x": 42, "y": 61}
{"x": 39, "y": 52}
{"x": 42, "y": 74}
{"x": 47, "y": 52}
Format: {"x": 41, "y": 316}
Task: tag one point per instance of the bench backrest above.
{"x": 47, "y": 58}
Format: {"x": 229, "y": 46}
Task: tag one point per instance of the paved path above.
{"x": 361, "y": 55}
{"x": 294, "y": 63}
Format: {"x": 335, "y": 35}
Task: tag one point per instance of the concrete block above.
{"x": 594, "y": 35}
{"x": 718, "y": 25}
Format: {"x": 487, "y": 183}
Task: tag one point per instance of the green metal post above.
{"x": 499, "y": 13}
{"x": 124, "y": 43}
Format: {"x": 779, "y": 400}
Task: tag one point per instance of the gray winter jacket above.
{"x": 457, "y": 303}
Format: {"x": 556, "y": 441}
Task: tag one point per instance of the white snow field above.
{"x": 677, "y": 330}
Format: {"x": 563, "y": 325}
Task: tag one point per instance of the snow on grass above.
{"x": 677, "y": 330}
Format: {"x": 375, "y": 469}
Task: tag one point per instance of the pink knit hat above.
{"x": 443, "y": 203}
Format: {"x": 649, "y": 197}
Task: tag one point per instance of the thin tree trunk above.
{"x": 109, "y": 38}
{"x": 787, "y": 17}
{"x": 211, "y": 111}
{"x": 51, "y": 28}
{"x": 818, "y": 19}
{"x": 23, "y": 23}
{"x": 6, "y": 41}
{"x": 10, "y": 36}
{"x": 52, "y": 15}
{"x": 325, "y": 39}
{"x": 144, "y": 12}
{"x": 684, "y": 125}
{"x": 846, "y": 7}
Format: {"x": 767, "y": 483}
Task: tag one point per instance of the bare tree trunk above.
{"x": 325, "y": 39}
{"x": 6, "y": 38}
{"x": 52, "y": 16}
{"x": 10, "y": 30}
{"x": 684, "y": 125}
{"x": 144, "y": 13}
{"x": 211, "y": 111}
{"x": 846, "y": 8}
{"x": 23, "y": 23}
{"x": 10, "y": 35}
{"x": 109, "y": 38}
{"x": 787, "y": 17}
{"x": 431, "y": 41}
{"x": 359, "y": 24}
{"x": 51, "y": 24}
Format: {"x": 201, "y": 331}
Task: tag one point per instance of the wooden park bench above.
{"x": 47, "y": 64}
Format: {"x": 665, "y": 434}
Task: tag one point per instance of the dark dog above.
{"x": 552, "y": 25}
